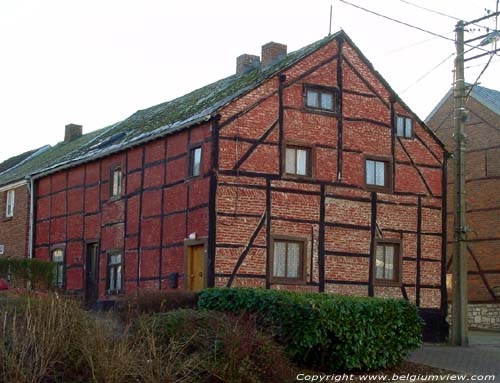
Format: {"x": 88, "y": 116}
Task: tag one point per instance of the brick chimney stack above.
{"x": 72, "y": 132}
{"x": 272, "y": 52}
{"x": 246, "y": 62}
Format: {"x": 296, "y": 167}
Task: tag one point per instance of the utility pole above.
{"x": 459, "y": 308}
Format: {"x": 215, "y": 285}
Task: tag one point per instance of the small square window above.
{"x": 288, "y": 260}
{"x": 377, "y": 174}
{"x": 9, "y": 203}
{"x": 404, "y": 127}
{"x": 298, "y": 161}
{"x": 115, "y": 273}
{"x": 321, "y": 98}
{"x": 194, "y": 162}
{"x": 58, "y": 274}
{"x": 115, "y": 182}
{"x": 387, "y": 260}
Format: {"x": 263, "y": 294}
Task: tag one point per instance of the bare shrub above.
{"x": 130, "y": 307}
{"x": 33, "y": 337}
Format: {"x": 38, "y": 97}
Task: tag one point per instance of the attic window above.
{"x": 404, "y": 127}
{"x": 321, "y": 98}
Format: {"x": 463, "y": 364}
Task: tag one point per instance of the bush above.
{"x": 326, "y": 331}
{"x": 220, "y": 346}
{"x": 35, "y": 334}
{"x": 130, "y": 307}
{"x": 20, "y": 271}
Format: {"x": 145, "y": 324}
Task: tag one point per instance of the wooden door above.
{"x": 91, "y": 274}
{"x": 195, "y": 267}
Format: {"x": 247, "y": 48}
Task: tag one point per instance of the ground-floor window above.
{"x": 387, "y": 262}
{"x": 58, "y": 276}
{"x": 115, "y": 272}
{"x": 288, "y": 260}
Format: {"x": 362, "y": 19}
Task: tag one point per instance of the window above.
{"x": 115, "y": 187}
{"x": 9, "y": 203}
{"x": 387, "y": 262}
{"x": 298, "y": 160}
{"x": 321, "y": 98}
{"x": 377, "y": 174}
{"x": 404, "y": 127}
{"x": 115, "y": 273}
{"x": 194, "y": 169}
{"x": 288, "y": 260}
{"x": 58, "y": 259}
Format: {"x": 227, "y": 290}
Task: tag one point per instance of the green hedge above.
{"x": 21, "y": 270}
{"x": 326, "y": 331}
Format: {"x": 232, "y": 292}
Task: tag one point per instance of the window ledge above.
{"x": 6, "y": 219}
{"x": 321, "y": 111}
{"x": 386, "y": 283}
{"x": 276, "y": 281}
{"x": 288, "y": 176}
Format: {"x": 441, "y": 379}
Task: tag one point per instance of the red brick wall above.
{"x": 14, "y": 231}
{"x": 158, "y": 209}
{"x": 482, "y": 163}
{"x": 245, "y": 192}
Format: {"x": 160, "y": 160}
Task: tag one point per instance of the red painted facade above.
{"x": 148, "y": 223}
{"x": 243, "y": 199}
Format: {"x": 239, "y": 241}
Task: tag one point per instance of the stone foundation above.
{"x": 482, "y": 316}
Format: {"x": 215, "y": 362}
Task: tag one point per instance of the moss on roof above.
{"x": 143, "y": 125}
{"x": 46, "y": 158}
{"x": 13, "y": 161}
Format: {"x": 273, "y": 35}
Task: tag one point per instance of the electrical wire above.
{"x": 487, "y": 64}
{"x": 436, "y": 12}
{"x": 406, "y": 24}
{"x": 397, "y": 21}
{"x": 428, "y": 73}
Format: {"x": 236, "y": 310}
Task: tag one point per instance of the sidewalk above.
{"x": 481, "y": 357}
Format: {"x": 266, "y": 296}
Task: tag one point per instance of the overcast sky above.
{"x": 95, "y": 62}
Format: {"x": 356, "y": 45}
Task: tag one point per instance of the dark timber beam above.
{"x": 340, "y": 119}
{"x": 212, "y": 203}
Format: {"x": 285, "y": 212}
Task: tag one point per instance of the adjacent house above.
{"x": 482, "y": 163}
{"x": 302, "y": 171}
{"x": 15, "y": 201}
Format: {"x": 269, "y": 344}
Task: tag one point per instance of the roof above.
{"x": 13, "y": 161}
{"x": 10, "y": 165}
{"x": 157, "y": 121}
{"x": 490, "y": 98}
{"x": 46, "y": 157}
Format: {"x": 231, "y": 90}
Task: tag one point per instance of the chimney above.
{"x": 246, "y": 62}
{"x": 72, "y": 132}
{"x": 272, "y": 52}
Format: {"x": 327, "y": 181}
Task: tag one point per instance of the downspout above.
{"x": 31, "y": 190}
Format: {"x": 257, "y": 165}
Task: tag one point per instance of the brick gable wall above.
{"x": 336, "y": 216}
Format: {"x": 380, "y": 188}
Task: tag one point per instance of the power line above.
{"x": 434, "y": 11}
{"x": 428, "y": 73}
{"x": 489, "y": 60}
{"x": 476, "y": 65}
{"x": 429, "y": 10}
{"x": 397, "y": 21}
{"x": 410, "y": 45}
{"x": 407, "y": 24}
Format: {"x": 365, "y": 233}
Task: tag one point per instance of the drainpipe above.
{"x": 31, "y": 189}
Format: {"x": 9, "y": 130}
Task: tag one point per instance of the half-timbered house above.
{"x": 302, "y": 171}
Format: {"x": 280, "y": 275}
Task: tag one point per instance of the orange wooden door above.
{"x": 196, "y": 267}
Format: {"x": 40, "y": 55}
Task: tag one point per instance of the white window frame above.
{"x": 10, "y": 201}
